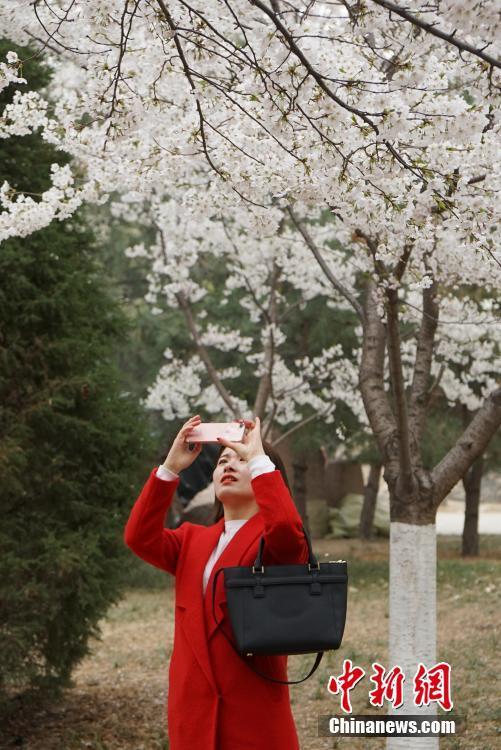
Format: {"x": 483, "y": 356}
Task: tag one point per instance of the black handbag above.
{"x": 286, "y": 609}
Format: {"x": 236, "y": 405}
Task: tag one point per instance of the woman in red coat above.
{"x": 215, "y": 701}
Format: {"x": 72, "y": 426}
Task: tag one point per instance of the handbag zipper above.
{"x": 337, "y": 560}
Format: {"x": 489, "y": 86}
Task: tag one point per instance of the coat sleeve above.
{"x": 284, "y": 540}
{"x": 144, "y": 532}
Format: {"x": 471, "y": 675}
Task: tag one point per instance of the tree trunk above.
{"x": 299, "y": 490}
{"x": 472, "y": 482}
{"x": 370, "y": 500}
{"x": 412, "y": 621}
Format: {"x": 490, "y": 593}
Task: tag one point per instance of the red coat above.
{"x": 215, "y": 701}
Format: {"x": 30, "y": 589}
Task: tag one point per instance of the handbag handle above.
{"x": 312, "y": 560}
{"x": 318, "y": 658}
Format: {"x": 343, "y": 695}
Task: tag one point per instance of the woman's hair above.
{"x": 274, "y": 455}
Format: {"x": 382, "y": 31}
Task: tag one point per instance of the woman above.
{"x": 215, "y": 701}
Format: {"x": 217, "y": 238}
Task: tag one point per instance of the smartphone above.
{"x": 208, "y": 432}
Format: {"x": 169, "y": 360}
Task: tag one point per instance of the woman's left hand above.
{"x": 251, "y": 444}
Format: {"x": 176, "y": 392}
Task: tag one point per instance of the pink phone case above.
{"x": 208, "y": 432}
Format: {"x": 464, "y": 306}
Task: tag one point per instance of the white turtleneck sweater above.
{"x": 257, "y": 465}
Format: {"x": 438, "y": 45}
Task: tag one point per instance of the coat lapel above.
{"x": 193, "y": 608}
{"x": 189, "y": 597}
{"x": 233, "y": 554}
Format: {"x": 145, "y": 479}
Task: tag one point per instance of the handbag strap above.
{"x": 311, "y": 556}
{"x": 257, "y": 671}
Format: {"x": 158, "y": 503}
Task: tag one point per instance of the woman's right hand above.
{"x": 180, "y": 456}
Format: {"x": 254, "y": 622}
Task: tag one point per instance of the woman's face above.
{"x": 232, "y": 479}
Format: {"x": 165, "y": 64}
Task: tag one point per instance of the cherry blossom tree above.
{"x": 22, "y": 213}
{"x": 264, "y": 275}
{"x": 386, "y": 117}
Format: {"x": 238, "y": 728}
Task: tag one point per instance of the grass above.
{"x": 119, "y": 694}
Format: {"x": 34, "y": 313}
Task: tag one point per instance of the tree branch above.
{"x": 468, "y": 448}
{"x": 266, "y": 382}
{"x": 202, "y": 351}
{"x": 431, "y": 29}
{"x": 371, "y": 380}
{"x": 309, "y": 67}
{"x": 189, "y": 77}
{"x": 398, "y": 387}
{"x": 205, "y": 357}
{"x": 420, "y": 392}
{"x": 298, "y": 426}
{"x": 325, "y": 268}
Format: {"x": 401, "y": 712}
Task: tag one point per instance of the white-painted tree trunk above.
{"x": 413, "y": 616}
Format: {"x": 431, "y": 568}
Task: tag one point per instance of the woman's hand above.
{"x": 251, "y": 444}
{"x": 180, "y": 455}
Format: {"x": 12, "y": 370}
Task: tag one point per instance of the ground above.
{"x": 120, "y": 691}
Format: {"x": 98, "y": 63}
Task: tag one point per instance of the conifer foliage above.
{"x": 70, "y": 439}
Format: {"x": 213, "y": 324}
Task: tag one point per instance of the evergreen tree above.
{"x": 71, "y": 439}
